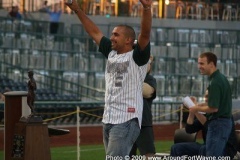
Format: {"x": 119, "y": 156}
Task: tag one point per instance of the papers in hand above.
{"x": 188, "y": 102}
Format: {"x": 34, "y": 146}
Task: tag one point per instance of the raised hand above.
{"x": 73, "y": 6}
{"x": 146, "y": 3}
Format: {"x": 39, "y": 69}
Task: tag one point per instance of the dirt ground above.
{"x": 93, "y": 135}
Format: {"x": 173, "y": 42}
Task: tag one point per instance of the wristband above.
{"x": 146, "y": 8}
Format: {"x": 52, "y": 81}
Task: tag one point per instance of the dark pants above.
{"x": 144, "y": 142}
{"x": 219, "y": 130}
{"x": 188, "y": 148}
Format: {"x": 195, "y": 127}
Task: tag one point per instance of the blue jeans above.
{"x": 118, "y": 139}
{"x": 187, "y": 148}
{"x": 218, "y": 132}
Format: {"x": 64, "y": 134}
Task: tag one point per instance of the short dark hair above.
{"x": 129, "y": 31}
{"x": 30, "y": 73}
{"x": 211, "y": 57}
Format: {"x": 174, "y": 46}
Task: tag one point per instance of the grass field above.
{"x": 92, "y": 152}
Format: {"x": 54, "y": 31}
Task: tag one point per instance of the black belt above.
{"x": 221, "y": 117}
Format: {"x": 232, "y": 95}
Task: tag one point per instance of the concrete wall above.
{"x": 175, "y": 23}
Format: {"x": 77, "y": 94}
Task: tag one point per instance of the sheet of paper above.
{"x": 188, "y": 102}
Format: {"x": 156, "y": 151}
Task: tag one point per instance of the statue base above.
{"x": 31, "y": 119}
{"x": 30, "y": 141}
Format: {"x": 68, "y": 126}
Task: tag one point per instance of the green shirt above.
{"x": 219, "y": 96}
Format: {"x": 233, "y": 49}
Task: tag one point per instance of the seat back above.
{"x": 182, "y": 136}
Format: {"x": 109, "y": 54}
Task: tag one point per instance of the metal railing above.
{"x": 48, "y": 81}
{"x": 64, "y": 112}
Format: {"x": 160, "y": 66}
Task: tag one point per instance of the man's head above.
{"x": 122, "y": 38}
{"x": 15, "y": 8}
{"x": 30, "y": 73}
{"x": 207, "y": 63}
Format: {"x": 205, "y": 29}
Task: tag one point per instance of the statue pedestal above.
{"x": 30, "y": 142}
{"x": 15, "y": 107}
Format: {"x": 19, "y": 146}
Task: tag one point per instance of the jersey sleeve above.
{"x": 141, "y": 57}
{"x": 105, "y": 46}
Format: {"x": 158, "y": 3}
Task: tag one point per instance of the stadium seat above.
{"x": 182, "y": 136}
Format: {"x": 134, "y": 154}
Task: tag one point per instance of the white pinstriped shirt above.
{"x": 124, "y": 80}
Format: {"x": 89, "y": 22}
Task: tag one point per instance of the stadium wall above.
{"x": 69, "y": 19}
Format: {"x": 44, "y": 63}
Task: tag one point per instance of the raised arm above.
{"x": 202, "y": 119}
{"x": 87, "y": 23}
{"x": 146, "y": 24}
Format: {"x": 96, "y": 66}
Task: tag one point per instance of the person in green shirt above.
{"x": 219, "y": 106}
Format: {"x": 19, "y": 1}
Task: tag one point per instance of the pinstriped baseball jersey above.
{"x": 124, "y": 80}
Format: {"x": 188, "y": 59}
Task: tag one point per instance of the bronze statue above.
{"x": 31, "y": 91}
